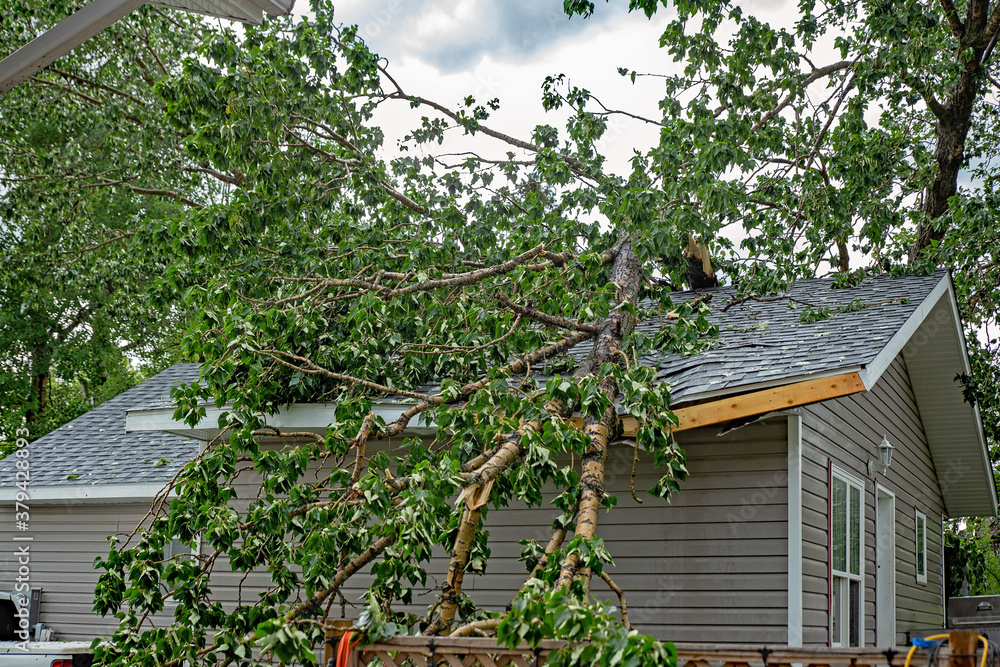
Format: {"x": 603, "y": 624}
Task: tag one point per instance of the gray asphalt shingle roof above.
{"x": 760, "y": 341}
{"x": 94, "y": 448}
{"x": 765, "y": 340}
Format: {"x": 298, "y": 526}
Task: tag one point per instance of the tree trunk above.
{"x": 949, "y": 155}
{"x": 41, "y": 366}
{"x": 954, "y": 118}
{"x": 844, "y": 258}
{"x": 456, "y": 570}
{"x": 626, "y": 274}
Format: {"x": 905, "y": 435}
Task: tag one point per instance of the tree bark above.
{"x": 954, "y": 119}
{"x": 41, "y": 367}
{"x": 456, "y": 570}
{"x": 626, "y": 274}
{"x": 844, "y": 258}
{"x": 949, "y": 155}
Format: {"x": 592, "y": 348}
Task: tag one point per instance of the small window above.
{"x": 177, "y": 548}
{"x": 173, "y": 549}
{"x": 920, "y": 548}
{"x": 847, "y": 519}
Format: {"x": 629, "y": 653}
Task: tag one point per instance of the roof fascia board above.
{"x": 297, "y": 416}
{"x": 757, "y": 386}
{"x": 62, "y": 38}
{"x": 874, "y": 370}
{"x": 766, "y": 401}
{"x": 84, "y": 493}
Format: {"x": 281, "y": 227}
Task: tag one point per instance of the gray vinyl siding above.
{"x": 66, "y": 538}
{"x": 716, "y": 556}
{"x": 847, "y": 431}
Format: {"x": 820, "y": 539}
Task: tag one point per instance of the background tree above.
{"x": 90, "y": 170}
{"x": 325, "y": 271}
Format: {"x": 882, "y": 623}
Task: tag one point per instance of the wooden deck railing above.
{"x": 483, "y": 652}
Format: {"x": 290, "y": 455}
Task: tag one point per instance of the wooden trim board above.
{"x": 755, "y": 403}
{"x": 768, "y": 400}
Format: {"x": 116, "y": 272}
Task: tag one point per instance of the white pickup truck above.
{"x": 45, "y": 654}
{"x": 15, "y": 622}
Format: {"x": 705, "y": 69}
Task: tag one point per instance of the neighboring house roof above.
{"x": 84, "y": 456}
{"x": 763, "y": 343}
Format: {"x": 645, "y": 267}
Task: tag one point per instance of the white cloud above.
{"x": 454, "y": 35}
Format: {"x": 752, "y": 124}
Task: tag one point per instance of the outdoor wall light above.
{"x": 885, "y": 450}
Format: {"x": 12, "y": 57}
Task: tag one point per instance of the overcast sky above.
{"x": 447, "y": 49}
{"x": 454, "y": 36}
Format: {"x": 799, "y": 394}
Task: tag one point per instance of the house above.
{"x": 788, "y": 530}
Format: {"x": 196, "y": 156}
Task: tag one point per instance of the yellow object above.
{"x": 913, "y": 649}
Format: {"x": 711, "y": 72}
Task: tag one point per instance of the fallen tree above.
{"x": 497, "y": 293}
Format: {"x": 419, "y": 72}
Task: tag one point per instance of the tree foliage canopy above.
{"x": 85, "y": 154}
{"x": 256, "y": 188}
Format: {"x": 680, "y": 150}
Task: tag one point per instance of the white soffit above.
{"x": 932, "y": 344}
{"x": 275, "y": 7}
{"x": 935, "y": 354}
{"x": 246, "y": 11}
{"x": 235, "y": 10}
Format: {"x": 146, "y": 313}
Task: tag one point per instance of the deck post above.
{"x": 963, "y": 648}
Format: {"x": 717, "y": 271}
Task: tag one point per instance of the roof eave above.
{"x": 933, "y": 344}
{"x": 313, "y": 417}
{"x": 934, "y": 355}
{"x": 89, "y": 493}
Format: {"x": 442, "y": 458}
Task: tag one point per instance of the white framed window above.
{"x": 175, "y": 548}
{"x": 920, "y": 546}
{"x": 847, "y": 566}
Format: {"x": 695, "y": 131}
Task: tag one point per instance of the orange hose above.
{"x": 345, "y": 647}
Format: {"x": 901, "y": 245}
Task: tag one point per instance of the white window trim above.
{"x": 891, "y": 602}
{"x": 917, "y": 517}
{"x": 852, "y": 480}
{"x": 794, "y": 530}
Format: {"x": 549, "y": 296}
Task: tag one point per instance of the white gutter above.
{"x": 76, "y": 29}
